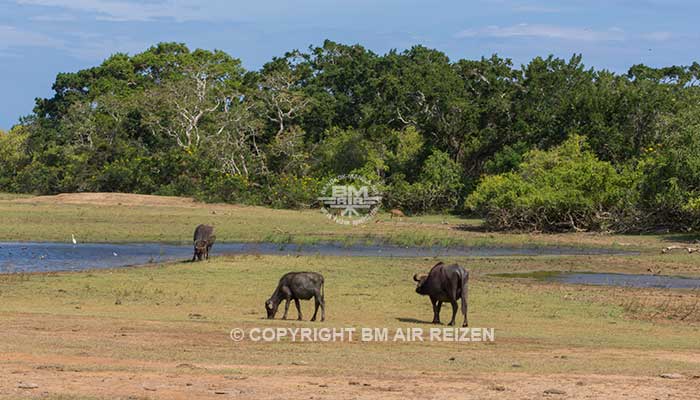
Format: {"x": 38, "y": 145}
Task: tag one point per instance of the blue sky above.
{"x": 39, "y": 38}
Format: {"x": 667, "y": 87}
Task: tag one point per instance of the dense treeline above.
{"x": 551, "y": 145}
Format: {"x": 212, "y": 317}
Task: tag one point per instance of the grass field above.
{"x": 130, "y": 218}
{"x": 162, "y": 331}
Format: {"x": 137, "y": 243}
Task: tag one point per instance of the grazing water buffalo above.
{"x": 203, "y": 241}
{"x": 297, "y": 286}
{"x": 444, "y": 283}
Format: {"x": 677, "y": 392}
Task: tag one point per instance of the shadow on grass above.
{"x": 683, "y": 238}
{"x": 414, "y": 321}
{"x": 471, "y": 228}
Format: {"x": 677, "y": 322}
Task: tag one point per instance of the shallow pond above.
{"x": 49, "y": 256}
{"x": 608, "y": 279}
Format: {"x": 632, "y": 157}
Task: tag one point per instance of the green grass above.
{"x": 176, "y": 301}
{"x": 151, "y": 319}
{"x": 13, "y": 196}
{"x": 46, "y": 221}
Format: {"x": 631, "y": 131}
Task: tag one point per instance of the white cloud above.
{"x": 116, "y": 10}
{"x": 544, "y": 31}
{"x": 533, "y": 8}
{"x": 5, "y": 54}
{"x": 54, "y": 18}
{"x": 186, "y": 10}
{"x": 91, "y": 47}
{"x": 658, "y": 36}
{"x": 12, "y": 37}
{"x": 86, "y": 46}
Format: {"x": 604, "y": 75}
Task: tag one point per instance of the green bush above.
{"x": 230, "y": 188}
{"x": 565, "y": 188}
{"x": 438, "y": 188}
{"x": 290, "y": 191}
{"x": 669, "y": 190}
{"x": 12, "y": 157}
{"x": 402, "y": 195}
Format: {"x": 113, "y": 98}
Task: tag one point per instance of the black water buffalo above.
{"x": 297, "y": 286}
{"x": 203, "y": 241}
{"x": 444, "y": 283}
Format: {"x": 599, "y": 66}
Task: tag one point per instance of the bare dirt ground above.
{"x": 64, "y": 372}
{"x": 112, "y": 199}
{"x": 175, "y": 382}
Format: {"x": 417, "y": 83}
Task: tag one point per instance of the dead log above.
{"x": 688, "y": 249}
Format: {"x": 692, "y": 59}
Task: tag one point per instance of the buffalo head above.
{"x": 271, "y": 308}
{"x": 200, "y": 245}
{"x": 421, "y": 279}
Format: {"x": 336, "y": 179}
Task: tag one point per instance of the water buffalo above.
{"x": 203, "y": 241}
{"x": 444, "y": 283}
{"x": 297, "y": 286}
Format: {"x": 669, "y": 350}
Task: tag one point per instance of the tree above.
{"x": 182, "y": 106}
{"x": 13, "y": 156}
{"x": 171, "y": 120}
{"x": 280, "y": 93}
{"x": 669, "y": 173}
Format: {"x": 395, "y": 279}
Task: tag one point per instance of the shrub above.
{"x": 12, "y": 156}
{"x": 669, "y": 191}
{"x": 438, "y": 188}
{"x": 290, "y": 191}
{"x": 565, "y": 188}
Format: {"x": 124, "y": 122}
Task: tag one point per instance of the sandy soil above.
{"x": 21, "y": 372}
{"x": 112, "y": 199}
{"x": 64, "y": 371}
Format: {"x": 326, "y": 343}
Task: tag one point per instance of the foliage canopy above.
{"x": 171, "y": 120}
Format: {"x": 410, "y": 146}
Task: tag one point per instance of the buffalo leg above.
{"x": 317, "y": 303}
{"x": 322, "y": 302}
{"x": 464, "y": 303}
{"x": 286, "y": 309}
{"x": 296, "y": 303}
{"x": 454, "y": 295}
{"x": 194, "y": 256}
{"x": 436, "y": 310}
{"x": 454, "y": 312}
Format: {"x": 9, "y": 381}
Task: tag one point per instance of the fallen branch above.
{"x": 688, "y": 249}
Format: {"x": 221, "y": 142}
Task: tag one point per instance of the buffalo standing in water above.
{"x": 297, "y": 286}
{"x": 444, "y": 283}
{"x": 203, "y": 241}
